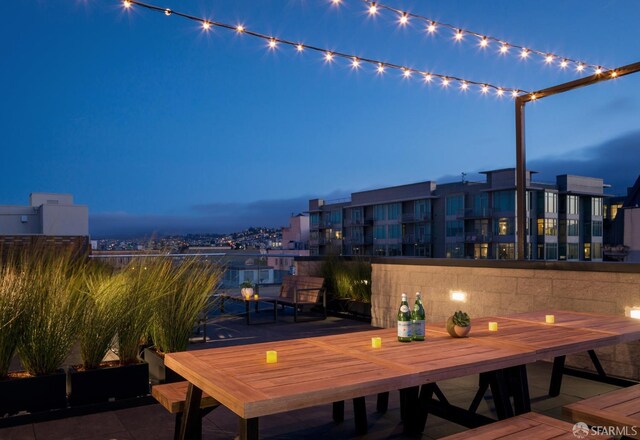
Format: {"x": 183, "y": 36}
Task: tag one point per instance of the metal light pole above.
{"x": 521, "y": 101}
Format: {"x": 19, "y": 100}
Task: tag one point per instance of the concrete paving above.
{"x": 153, "y": 422}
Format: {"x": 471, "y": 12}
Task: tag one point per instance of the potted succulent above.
{"x": 459, "y": 324}
{"x": 95, "y": 380}
{"x": 246, "y": 289}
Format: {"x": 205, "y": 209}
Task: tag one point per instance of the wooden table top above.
{"x": 320, "y": 370}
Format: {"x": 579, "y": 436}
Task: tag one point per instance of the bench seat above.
{"x": 299, "y": 291}
{"x": 525, "y": 426}
{"x": 619, "y": 408}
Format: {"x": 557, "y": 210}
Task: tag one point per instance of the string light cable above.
{"x": 355, "y": 61}
{"x": 484, "y": 41}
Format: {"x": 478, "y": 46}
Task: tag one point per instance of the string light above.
{"x": 614, "y": 74}
{"x": 336, "y": 2}
{"x": 548, "y": 59}
{"x": 167, "y": 12}
{"x": 598, "y": 70}
{"x": 329, "y": 55}
{"x": 564, "y": 64}
{"x": 485, "y": 40}
{"x": 580, "y": 67}
{"x": 464, "y": 85}
{"x": 514, "y": 93}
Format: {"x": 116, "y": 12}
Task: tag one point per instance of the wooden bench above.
{"x": 619, "y": 408}
{"x": 298, "y": 291}
{"x": 173, "y": 397}
{"x": 525, "y": 426}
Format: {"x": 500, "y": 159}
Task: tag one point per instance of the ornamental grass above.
{"x": 12, "y": 285}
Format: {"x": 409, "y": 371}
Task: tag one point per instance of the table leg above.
{"x": 248, "y": 429}
{"x": 556, "y": 376}
{"x": 500, "y": 393}
{"x": 360, "y": 413}
{"x": 483, "y": 385}
{"x": 409, "y": 401}
{"x": 519, "y": 385}
{"x": 338, "y": 411}
{"x": 383, "y": 402}
{"x": 191, "y": 426}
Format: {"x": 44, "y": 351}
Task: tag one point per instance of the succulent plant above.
{"x": 461, "y": 319}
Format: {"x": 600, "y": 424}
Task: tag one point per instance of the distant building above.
{"x": 622, "y": 226}
{"x": 295, "y": 242}
{"x": 464, "y": 220}
{"x": 50, "y": 218}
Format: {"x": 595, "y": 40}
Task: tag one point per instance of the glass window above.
{"x": 454, "y": 250}
{"x": 596, "y": 251}
{"x": 380, "y": 232}
{"x": 587, "y": 251}
{"x": 572, "y": 251}
{"x": 504, "y": 201}
{"x": 393, "y": 211}
{"x": 504, "y": 226}
{"x": 336, "y": 217}
{"x": 393, "y": 250}
{"x": 315, "y": 218}
{"x": 422, "y": 209}
{"x": 596, "y": 228}
{"x": 614, "y": 211}
{"x": 550, "y": 202}
{"x": 596, "y": 206}
{"x": 551, "y": 227}
{"x": 481, "y": 204}
{"x": 551, "y": 250}
{"x": 572, "y": 205}
{"x": 540, "y": 226}
{"x": 480, "y": 251}
{"x": 455, "y": 204}
{"x": 454, "y": 228}
{"x": 379, "y": 212}
{"x": 356, "y": 214}
{"x": 394, "y": 231}
{"x": 572, "y": 228}
{"x": 505, "y": 251}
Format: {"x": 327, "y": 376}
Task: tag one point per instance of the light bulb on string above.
{"x": 504, "y": 48}
{"x": 524, "y": 53}
{"x": 432, "y": 27}
{"x": 127, "y": 4}
{"x": 614, "y": 74}
{"x": 428, "y": 77}
{"x": 500, "y": 92}
{"x": 484, "y": 89}
{"x": 272, "y": 43}
{"x": 239, "y": 29}
{"x": 406, "y": 73}
{"x": 464, "y": 85}
{"x": 167, "y": 12}
{"x": 445, "y": 82}
{"x": 328, "y": 57}
{"x": 564, "y": 64}
{"x": 580, "y": 67}
{"x": 404, "y": 19}
{"x": 299, "y": 47}
{"x": 206, "y": 25}
{"x": 514, "y": 93}
{"x": 458, "y": 36}
{"x": 484, "y": 42}
{"x": 548, "y": 58}
{"x": 598, "y": 70}
{"x": 380, "y": 68}
{"x": 373, "y": 9}
{"x": 355, "y": 63}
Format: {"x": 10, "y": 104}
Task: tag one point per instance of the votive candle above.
{"x": 376, "y": 342}
{"x": 493, "y": 326}
{"x": 549, "y": 319}
{"x": 272, "y": 357}
{"x": 255, "y": 296}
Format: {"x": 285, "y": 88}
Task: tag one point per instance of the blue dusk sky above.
{"x": 162, "y": 127}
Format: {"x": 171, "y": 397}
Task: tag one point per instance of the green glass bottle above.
{"x": 404, "y": 321}
{"x": 418, "y": 319}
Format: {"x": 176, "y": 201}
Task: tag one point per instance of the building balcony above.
{"x": 478, "y": 238}
{"x": 416, "y": 239}
{"x": 413, "y": 218}
{"x": 354, "y": 222}
{"x": 471, "y": 213}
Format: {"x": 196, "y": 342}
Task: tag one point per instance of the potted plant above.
{"x": 188, "y": 288}
{"x": 459, "y": 324}
{"x": 97, "y": 381}
{"x": 246, "y": 289}
{"x": 11, "y": 324}
{"x": 52, "y": 311}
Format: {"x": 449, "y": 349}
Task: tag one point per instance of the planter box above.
{"x": 33, "y": 394}
{"x": 108, "y": 383}
{"x": 157, "y": 371}
{"x": 361, "y": 309}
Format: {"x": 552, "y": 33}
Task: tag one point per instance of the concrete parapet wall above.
{"x": 510, "y": 287}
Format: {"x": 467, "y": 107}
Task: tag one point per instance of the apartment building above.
{"x": 464, "y": 220}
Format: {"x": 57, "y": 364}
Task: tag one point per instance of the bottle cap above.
{"x": 404, "y": 296}
{"x": 418, "y": 294}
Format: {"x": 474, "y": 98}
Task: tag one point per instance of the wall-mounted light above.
{"x": 458, "y": 296}
{"x": 632, "y": 312}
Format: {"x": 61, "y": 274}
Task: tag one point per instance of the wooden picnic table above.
{"x": 322, "y": 370}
